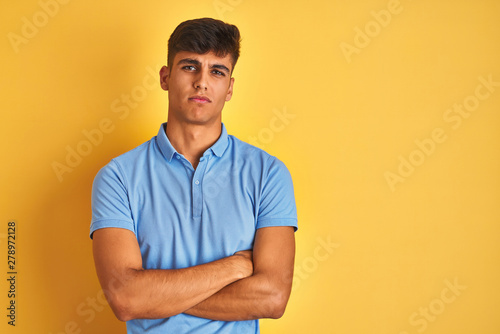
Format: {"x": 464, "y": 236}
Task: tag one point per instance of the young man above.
{"x": 193, "y": 231}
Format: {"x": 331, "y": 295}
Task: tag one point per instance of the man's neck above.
{"x": 191, "y": 140}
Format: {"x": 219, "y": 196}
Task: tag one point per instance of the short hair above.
{"x": 204, "y": 35}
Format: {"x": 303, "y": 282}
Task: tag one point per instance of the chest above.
{"x": 184, "y": 218}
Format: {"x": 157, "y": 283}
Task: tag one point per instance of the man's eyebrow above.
{"x": 192, "y": 61}
{"x": 221, "y": 67}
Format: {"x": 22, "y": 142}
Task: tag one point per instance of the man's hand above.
{"x": 245, "y": 262}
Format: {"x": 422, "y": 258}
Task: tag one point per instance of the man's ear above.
{"x": 164, "y": 77}
{"x": 230, "y": 90}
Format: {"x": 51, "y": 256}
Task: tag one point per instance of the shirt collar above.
{"x": 169, "y": 151}
{"x": 221, "y": 144}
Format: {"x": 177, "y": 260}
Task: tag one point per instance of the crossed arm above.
{"x": 247, "y": 285}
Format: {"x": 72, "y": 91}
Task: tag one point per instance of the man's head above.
{"x": 205, "y": 35}
{"x": 201, "y": 58}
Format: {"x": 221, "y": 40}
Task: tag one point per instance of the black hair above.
{"x": 204, "y": 35}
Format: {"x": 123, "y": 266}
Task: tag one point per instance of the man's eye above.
{"x": 189, "y": 67}
{"x": 218, "y": 72}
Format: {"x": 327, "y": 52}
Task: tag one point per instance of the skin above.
{"x": 193, "y": 127}
{"x": 247, "y": 285}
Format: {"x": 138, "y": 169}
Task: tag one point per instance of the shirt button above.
{"x": 178, "y": 157}
{"x": 196, "y": 182}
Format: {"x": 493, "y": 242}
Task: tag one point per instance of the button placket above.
{"x": 197, "y": 183}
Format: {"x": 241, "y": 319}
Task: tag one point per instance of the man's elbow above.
{"x": 123, "y": 299}
{"x": 277, "y": 304}
{"x": 123, "y": 316}
{"x": 121, "y": 306}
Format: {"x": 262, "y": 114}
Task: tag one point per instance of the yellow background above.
{"x": 351, "y": 119}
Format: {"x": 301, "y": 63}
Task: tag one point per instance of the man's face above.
{"x": 198, "y": 85}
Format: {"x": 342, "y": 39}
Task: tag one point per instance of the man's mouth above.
{"x": 200, "y": 99}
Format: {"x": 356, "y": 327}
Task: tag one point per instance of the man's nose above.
{"x": 201, "y": 81}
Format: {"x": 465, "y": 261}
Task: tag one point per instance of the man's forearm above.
{"x": 265, "y": 293}
{"x": 154, "y": 294}
{"x": 254, "y": 297}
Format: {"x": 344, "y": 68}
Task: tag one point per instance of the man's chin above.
{"x": 195, "y": 116}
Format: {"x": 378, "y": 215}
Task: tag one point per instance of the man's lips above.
{"x": 200, "y": 99}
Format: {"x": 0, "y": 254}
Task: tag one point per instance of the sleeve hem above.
{"x": 118, "y": 223}
{"x": 268, "y": 222}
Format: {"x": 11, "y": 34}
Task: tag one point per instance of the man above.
{"x": 193, "y": 231}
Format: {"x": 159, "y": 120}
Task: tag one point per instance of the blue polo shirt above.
{"x": 184, "y": 217}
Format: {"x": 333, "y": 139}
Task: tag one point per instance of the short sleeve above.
{"x": 277, "y": 202}
{"x": 110, "y": 202}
